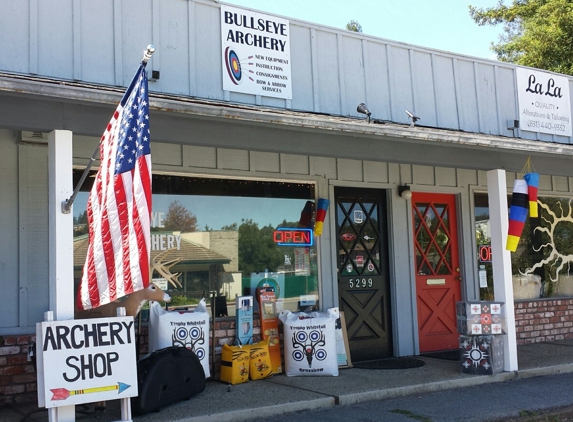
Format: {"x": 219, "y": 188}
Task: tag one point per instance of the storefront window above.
{"x": 542, "y": 264}
{"x": 226, "y": 236}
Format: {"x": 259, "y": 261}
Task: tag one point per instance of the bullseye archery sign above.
{"x": 233, "y": 66}
{"x": 85, "y": 361}
{"x": 256, "y": 53}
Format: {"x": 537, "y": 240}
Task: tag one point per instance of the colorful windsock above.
{"x": 532, "y": 180}
{"x": 517, "y": 213}
{"x": 321, "y": 209}
{"x": 305, "y": 221}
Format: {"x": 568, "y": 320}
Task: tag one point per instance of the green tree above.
{"x": 82, "y": 218}
{"x": 257, "y": 250}
{"x": 81, "y": 224}
{"x": 536, "y": 33}
{"x": 354, "y": 26}
{"x": 179, "y": 218}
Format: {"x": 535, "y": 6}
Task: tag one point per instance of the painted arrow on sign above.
{"x": 64, "y": 393}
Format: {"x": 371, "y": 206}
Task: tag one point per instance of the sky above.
{"x": 438, "y": 24}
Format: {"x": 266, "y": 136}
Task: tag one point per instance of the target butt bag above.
{"x": 165, "y": 377}
{"x": 260, "y": 365}
{"x": 235, "y": 364}
{"x": 310, "y": 343}
{"x": 187, "y": 329}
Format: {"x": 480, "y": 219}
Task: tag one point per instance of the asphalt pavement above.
{"x": 437, "y": 391}
{"x": 493, "y": 402}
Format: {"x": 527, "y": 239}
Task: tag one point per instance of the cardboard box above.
{"x": 270, "y": 325}
{"x": 244, "y": 319}
{"x": 481, "y": 355}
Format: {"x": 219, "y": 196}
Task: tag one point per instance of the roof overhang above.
{"x": 85, "y": 109}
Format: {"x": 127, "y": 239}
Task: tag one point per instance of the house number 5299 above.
{"x": 357, "y": 283}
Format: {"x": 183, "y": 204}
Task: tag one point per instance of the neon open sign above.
{"x": 484, "y": 252}
{"x": 293, "y": 237}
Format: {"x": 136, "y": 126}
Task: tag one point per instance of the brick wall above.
{"x": 17, "y": 374}
{"x": 543, "y": 320}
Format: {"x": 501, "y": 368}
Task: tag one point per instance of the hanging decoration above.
{"x": 523, "y": 199}
{"x": 321, "y": 209}
{"x": 532, "y": 180}
{"x": 517, "y": 213}
{"x": 306, "y": 215}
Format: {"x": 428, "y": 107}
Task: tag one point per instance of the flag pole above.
{"x": 67, "y": 204}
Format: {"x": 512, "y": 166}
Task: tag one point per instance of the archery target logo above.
{"x": 181, "y": 333}
{"x": 233, "y": 65}
{"x": 194, "y": 333}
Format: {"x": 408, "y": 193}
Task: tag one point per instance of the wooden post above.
{"x": 61, "y": 240}
{"x": 501, "y": 260}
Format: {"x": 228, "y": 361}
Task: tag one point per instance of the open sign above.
{"x": 484, "y": 253}
{"x": 293, "y": 237}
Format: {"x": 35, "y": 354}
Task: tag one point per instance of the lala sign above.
{"x": 544, "y": 104}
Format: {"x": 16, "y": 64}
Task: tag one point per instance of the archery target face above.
{"x": 194, "y": 333}
{"x": 185, "y": 329}
{"x": 233, "y": 66}
{"x": 310, "y": 343}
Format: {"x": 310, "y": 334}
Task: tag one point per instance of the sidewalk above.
{"x": 281, "y": 394}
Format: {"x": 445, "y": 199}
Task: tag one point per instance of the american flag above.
{"x": 119, "y": 205}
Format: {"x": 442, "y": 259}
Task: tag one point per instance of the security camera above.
{"x": 412, "y": 116}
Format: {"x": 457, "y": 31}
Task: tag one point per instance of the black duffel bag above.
{"x": 165, "y": 377}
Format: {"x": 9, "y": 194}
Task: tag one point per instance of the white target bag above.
{"x": 310, "y": 343}
{"x": 189, "y": 329}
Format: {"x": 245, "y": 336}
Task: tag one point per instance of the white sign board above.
{"x": 85, "y": 361}
{"x": 544, "y": 103}
{"x": 256, "y": 53}
{"x": 161, "y": 283}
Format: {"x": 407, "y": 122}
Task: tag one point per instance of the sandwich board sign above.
{"x": 85, "y": 361}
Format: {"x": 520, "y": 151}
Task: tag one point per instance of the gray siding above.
{"x": 34, "y": 224}
{"x": 333, "y": 70}
{"x": 9, "y": 225}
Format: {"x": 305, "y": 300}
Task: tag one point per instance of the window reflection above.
{"x": 542, "y": 264}
{"x": 217, "y": 235}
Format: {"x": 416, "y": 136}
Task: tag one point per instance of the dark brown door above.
{"x": 363, "y": 281}
{"x": 437, "y": 270}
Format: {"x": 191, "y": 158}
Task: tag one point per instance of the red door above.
{"x": 437, "y": 270}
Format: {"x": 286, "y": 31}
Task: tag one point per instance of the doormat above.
{"x": 446, "y": 355}
{"x": 391, "y": 363}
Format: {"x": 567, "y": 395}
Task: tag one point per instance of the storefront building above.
{"x": 253, "y": 119}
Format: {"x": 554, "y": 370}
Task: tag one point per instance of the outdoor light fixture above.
{"x": 405, "y": 192}
{"x": 363, "y": 110}
{"x": 413, "y": 117}
{"x": 512, "y": 124}
{"x": 154, "y": 76}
